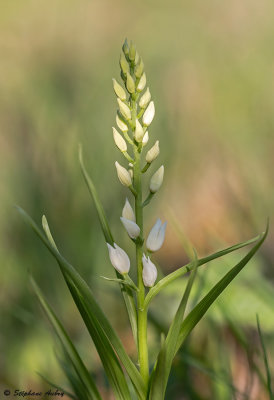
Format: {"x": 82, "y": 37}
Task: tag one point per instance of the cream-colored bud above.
{"x": 157, "y": 180}
{"x": 132, "y": 51}
{"x": 149, "y": 114}
{"x": 149, "y": 272}
{"x": 124, "y": 64}
{"x": 119, "y": 258}
{"x": 130, "y": 83}
{"x": 145, "y": 138}
{"x": 119, "y": 91}
{"x": 137, "y": 58}
{"x": 128, "y": 212}
{"x": 121, "y": 125}
{"x": 145, "y": 99}
{"x": 153, "y": 153}
{"x": 131, "y": 227}
{"x": 123, "y": 175}
{"x": 156, "y": 236}
{"x": 119, "y": 140}
{"x": 139, "y": 69}
{"x": 131, "y": 173}
{"x": 124, "y": 109}
{"x": 142, "y": 83}
{"x": 125, "y": 47}
{"x": 139, "y": 132}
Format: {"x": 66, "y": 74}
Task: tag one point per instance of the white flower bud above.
{"x": 139, "y": 69}
{"x": 131, "y": 173}
{"x": 124, "y": 109}
{"x": 128, "y": 212}
{"x": 145, "y": 138}
{"x": 139, "y": 132}
{"x": 157, "y": 180}
{"x": 130, "y": 83}
{"x": 153, "y": 153}
{"x": 131, "y": 227}
{"x": 145, "y": 99}
{"x": 149, "y": 272}
{"x": 142, "y": 83}
{"x": 156, "y": 236}
{"x": 132, "y": 51}
{"x": 123, "y": 175}
{"x": 137, "y": 58}
{"x": 121, "y": 125}
{"x": 124, "y": 64}
{"x": 149, "y": 114}
{"x": 119, "y": 258}
{"x": 119, "y": 91}
{"x": 119, "y": 140}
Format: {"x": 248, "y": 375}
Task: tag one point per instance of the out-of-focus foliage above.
{"x": 210, "y": 66}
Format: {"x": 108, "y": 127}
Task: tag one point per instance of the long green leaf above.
{"x": 164, "y": 282}
{"x": 126, "y": 291}
{"x": 160, "y": 376}
{"x": 52, "y": 384}
{"x": 266, "y": 363}
{"x": 102, "y": 333}
{"x": 79, "y": 367}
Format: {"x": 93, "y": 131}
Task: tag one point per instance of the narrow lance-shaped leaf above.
{"x": 52, "y": 384}
{"x": 159, "y": 382}
{"x": 127, "y": 292}
{"x": 266, "y": 362}
{"x": 98, "y": 325}
{"x": 79, "y": 367}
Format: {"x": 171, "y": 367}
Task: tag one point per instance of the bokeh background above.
{"x": 210, "y": 68}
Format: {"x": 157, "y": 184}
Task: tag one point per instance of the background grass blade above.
{"x": 52, "y": 384}
{"x": 127, "y": 292}
{"x": 266, "y": 363}
{"x": 160, "y": 376}
{"x": 190, "y": 266}
{"x": 78, "y": 365}
{"x": 103, "y": 335}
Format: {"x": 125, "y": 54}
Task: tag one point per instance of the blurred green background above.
{"x": 210, "y": 69}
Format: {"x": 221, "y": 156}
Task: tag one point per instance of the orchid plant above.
{"x": 132, "y": 379}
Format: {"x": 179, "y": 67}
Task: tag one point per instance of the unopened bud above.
{"x": 145, "y": 99}
{"x": 139, "y": 69}
{"x": 145, "y": 138}
{"x": 142, "y": 83}
{"x": 131, "y": 173}
{"x": 125, "y": 47}
{"x": 139, "y": 132}
{"x": 131, "y": 227}
{"x": 149, "y": 272}
{"x": 149, "y": 114}
{"x": 119, "y": 140}
{"x": 130, "y": 83}
{"x": 157, "y": 180}
{"x": 137, "y": 58}
{"x": 128, "y": 212}
{"x": 132, "y": 52}
{"x": 119, "y": 91}
{"x": 119, "y": 258}
{"x": 121, "y": 125}
{"x": 123, "y": 175}
{"x": 153, "y": 153}
{"x": 124, "y": 109}
{"x": 156, "y": 236}
{"x": 124, "y": 64}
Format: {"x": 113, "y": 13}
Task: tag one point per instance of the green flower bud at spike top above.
{"x": 142, "y": 83}
{"x": 149, "y": 114}
{"x": 128, "y": 212}
{"x": 119, "y": 140}
{"x": 149, "y": 272}
{"x": 139, "y": 69}
{"x": 131, "y": 227}
{"x": 137, "y": 58}
{"x": 119, "y": 258}
{"x": 157, "y": 180}
{"x": 124, "y": 109}
{"x": 130, "y": 83}
{"x": 123, "y": 175}
{"x": 124, "y": 64}
{"x": 156, "y": 236}
{"x": 139, "y": 132}
{"x": 145, "y": 99}
{"x": 145, "y": 139}
{"x": 125, "y": 47}
{"x": 121, "y": 125}
{"x": 153, "y": 153}
{"x": 119, "y": 91}
{"x": 132, "y": 52}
